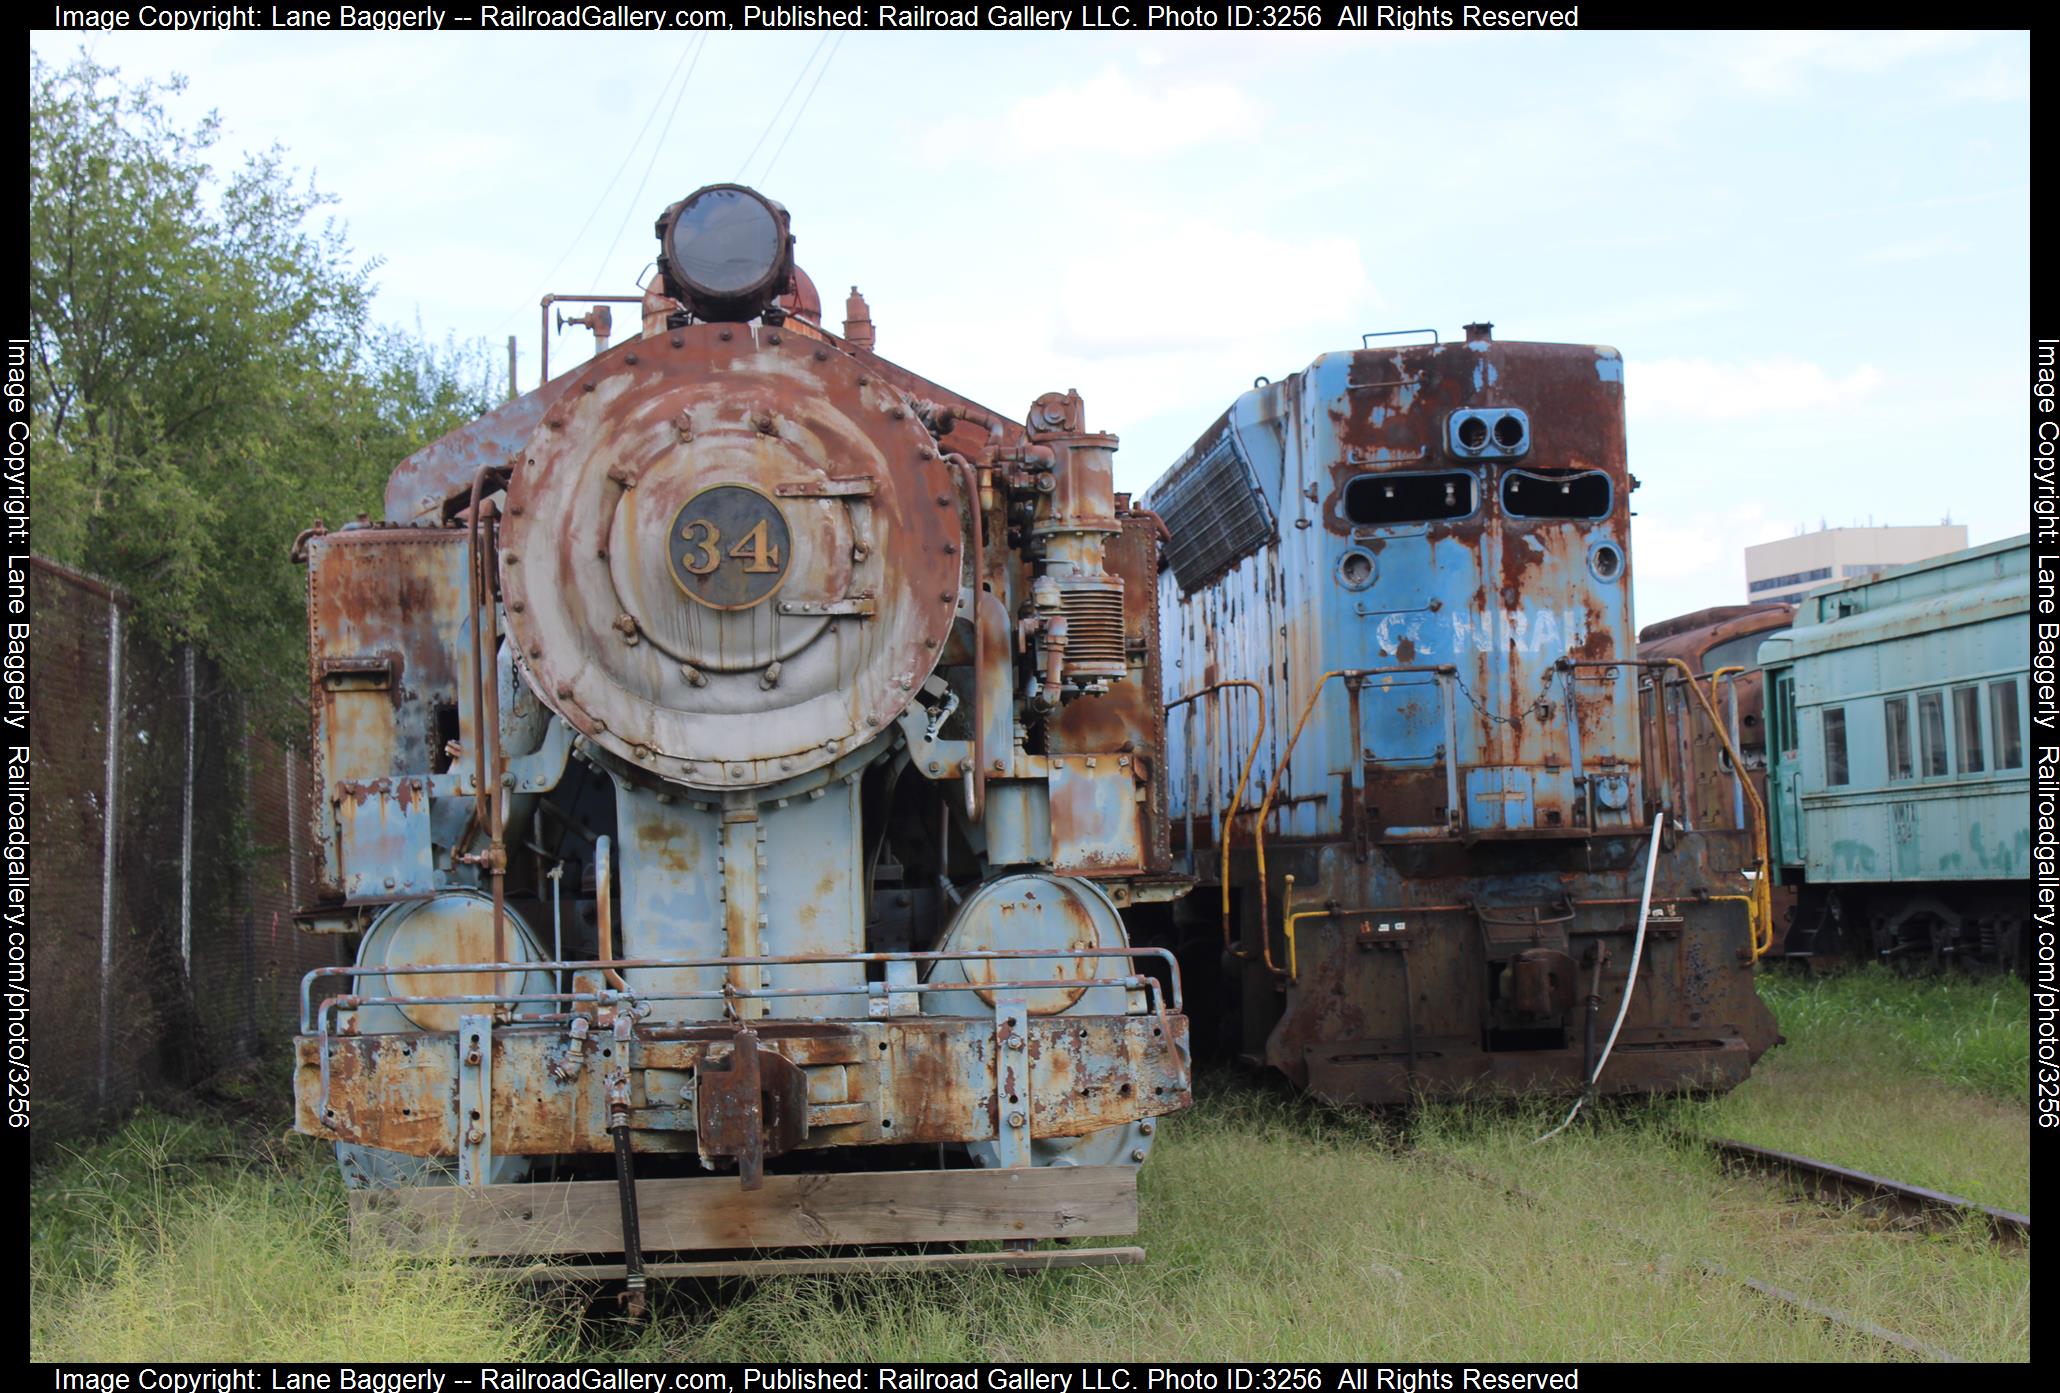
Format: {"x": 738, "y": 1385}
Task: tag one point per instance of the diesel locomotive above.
{"x": 735, "y": 757}
{"x": 1406, "y": 751}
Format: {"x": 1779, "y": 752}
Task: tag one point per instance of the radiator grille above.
{"x": 1215, "y": 511}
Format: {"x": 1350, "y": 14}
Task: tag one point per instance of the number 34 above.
{"x": 756, "y": 551}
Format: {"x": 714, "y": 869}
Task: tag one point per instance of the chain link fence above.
{"x": 170, "y": 844}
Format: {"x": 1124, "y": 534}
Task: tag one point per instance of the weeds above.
{"x": 1276, "y": 1227}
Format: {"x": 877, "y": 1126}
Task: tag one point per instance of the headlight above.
{"x": 725, "y": 251}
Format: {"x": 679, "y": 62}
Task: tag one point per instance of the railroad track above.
{"x": 1824, "y": 1181}
{"x": 1795, "y": 1301}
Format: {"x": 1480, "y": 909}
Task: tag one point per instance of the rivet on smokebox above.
{"x": 944, "y": 500}
{"x": 898, "y": 414}
{"x": 630, "y": 358}
{"x": 822, "y": 355}
{"x": 678, "y": 339}
{"x": 515, "y": 605}
{"x": 724, "y": 336}
{"x": 772, "y": 338}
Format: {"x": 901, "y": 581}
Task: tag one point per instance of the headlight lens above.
{"x": 726, "y": 244}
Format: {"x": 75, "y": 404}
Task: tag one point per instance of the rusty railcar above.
{"x": 735, "y": 756}
{"x": 1406, "y": 739}
{"x": 1720, "y": 648}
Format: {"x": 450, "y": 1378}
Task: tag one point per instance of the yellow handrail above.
{"x": 1280, "y": 767}
{"x": 1266, "y": 804}
{"x": 1236, "y": 799}
{"x": 1761, "y": 915}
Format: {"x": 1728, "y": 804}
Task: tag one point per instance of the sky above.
{"x": 1777, "y": 231}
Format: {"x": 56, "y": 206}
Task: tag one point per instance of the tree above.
{"x": 205, "y": 376}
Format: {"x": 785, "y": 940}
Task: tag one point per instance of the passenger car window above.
{"x": 1895, "y": 721}
{"x": 1835, "y": 768}
{"x": 1931, "y": 733}
{"x": 2002, "y": 720}
{"x": 1967, "y": 729}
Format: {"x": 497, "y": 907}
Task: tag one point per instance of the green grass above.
{"x": 191, "y": 1239}
{"x": 1276, "y": 1228}
{"x": 1922, "y": 1080}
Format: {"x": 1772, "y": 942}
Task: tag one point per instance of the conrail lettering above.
{"x": 1551, "y": 632}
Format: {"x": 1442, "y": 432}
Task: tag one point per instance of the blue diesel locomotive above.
{"x": 1405, "y": 746}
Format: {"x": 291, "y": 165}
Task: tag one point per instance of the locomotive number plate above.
{"x": 729, "y": 547}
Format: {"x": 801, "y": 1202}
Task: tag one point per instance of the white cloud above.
{"x": 1683, "y": 561}
{"x": 1697, "y": 387}
{"x": 1108, "y": 114}
{"x": 1197, "y": 284}
{"x": 1918, "y": 249}
{"x": 1778, "y": 63}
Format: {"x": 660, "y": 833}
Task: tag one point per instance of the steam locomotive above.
{"x": 1406, "y": 747}
{"x": 736, "y": 756}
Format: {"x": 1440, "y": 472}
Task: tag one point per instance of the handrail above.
{"x": 1761, "y": 926}
{"x": 1761, "y": 921}
{"x": 1331, "y": 912}
{"x": 1442, "y": 672}
{"x": 1237, "y": 799}
{"x": 308, "y": 978}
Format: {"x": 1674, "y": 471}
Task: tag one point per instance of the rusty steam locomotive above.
{"x": 736, "y": 756}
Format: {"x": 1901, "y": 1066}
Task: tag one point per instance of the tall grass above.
{"x": 178, "y": 1239}
{"x": 1924, "y": 1080}
{"x": 1277, "y": 1228}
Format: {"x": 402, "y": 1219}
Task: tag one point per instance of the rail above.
{"x": 1237, "y": 799}
{"x": 1356, "y": 678}
{"x": 1821, "y": 1177}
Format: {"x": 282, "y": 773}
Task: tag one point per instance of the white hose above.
{"x": 1623, "y": 1007}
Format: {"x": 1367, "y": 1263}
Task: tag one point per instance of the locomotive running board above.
{"x": 1037, "y": 1260}
{"x": 845, "y": 1209}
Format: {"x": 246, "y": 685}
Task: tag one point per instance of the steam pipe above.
{"x": 604, "y": 908}
{"x": 976, "y": 793}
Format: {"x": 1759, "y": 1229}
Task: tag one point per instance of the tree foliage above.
{"x": 205, "y": 374}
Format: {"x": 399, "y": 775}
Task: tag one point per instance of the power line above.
{"x": 602, "y": 198}
{"x": 781, "y": 107}
{"x": 831, "y": 57}
{"x": 636, "y": 198}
